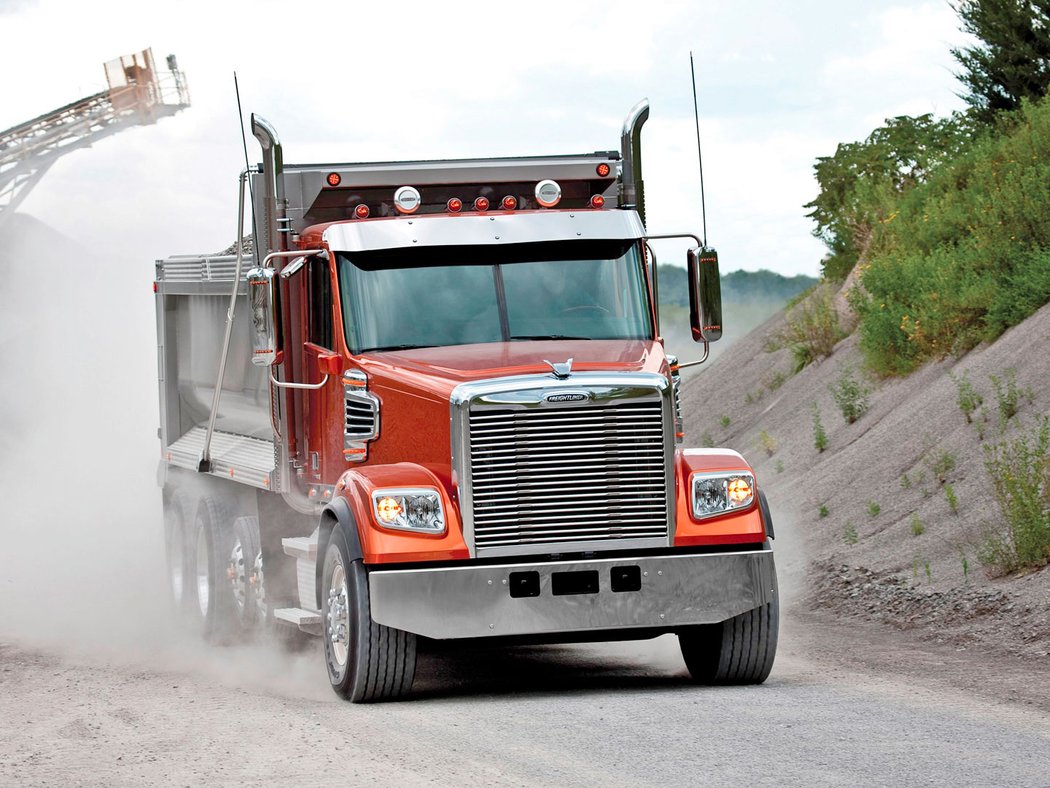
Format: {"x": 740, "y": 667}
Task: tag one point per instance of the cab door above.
{"x": 323, "y": 407}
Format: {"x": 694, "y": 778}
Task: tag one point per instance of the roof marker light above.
{"x": 481, "y": 204}
{"x": 361, "y": 211}
{"x": 548, "y": 193}
{"x": 509, "y": 203}
{"x": 334, "y": 179}
{"x": 597, "y": 201}
{"x": 407, "y": 199}
{"x": 455, "y": 205}
{"x": 603, "y": 170}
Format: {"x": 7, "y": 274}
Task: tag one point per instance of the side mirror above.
{"x": 262, "y": 304}
{"x": 705, "y": 294}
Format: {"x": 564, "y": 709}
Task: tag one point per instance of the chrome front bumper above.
{"x": 570, "y": 597}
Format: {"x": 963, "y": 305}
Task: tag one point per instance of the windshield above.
{"x": 396, "y": 299}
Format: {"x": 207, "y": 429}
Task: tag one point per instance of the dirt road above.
{"x": 844, "y": 705}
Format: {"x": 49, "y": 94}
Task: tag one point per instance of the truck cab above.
{"x": 444, "y": 386}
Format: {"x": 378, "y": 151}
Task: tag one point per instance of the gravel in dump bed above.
{"x": 247, "y": 247}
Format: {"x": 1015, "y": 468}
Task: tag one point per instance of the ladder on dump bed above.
{"x": 136, "y": 95}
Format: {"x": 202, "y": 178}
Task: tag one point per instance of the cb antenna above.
{"x": 248, "y": 167}
{"x": 699, "y": 154}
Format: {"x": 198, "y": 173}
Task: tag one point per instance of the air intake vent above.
{"x": 361, "y": 423}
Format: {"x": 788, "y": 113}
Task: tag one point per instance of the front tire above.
{"x": 740, "y": 650}
{"x": 366, "y": 661}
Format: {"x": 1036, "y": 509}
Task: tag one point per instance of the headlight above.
{"x": 717, "y": 493}
{"x": 409, "y": 510}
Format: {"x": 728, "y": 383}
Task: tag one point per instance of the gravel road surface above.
{"x": 844, "y": 705}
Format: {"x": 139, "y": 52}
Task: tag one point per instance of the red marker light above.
{"x": 602, "y": 170}
{"x": 481, "y": 204}
{"x": 597, "y": 201}
{"x": 361, "y": 211}
{"x": 334, "y": 179}
{"x": 509, "y": 203}
{"x": 455, "y": 205}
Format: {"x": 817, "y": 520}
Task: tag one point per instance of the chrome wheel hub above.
{"x": 337, "y": 618}
{"x": 237, "y": 572}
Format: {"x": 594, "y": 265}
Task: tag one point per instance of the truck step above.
{"x": 301, "y": 546}
{"x": 308, "y": 621}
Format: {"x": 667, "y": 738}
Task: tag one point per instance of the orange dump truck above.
{"x": 431, "y": 402}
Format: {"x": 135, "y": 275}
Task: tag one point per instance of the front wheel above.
{"x": 740, "y": 650}
{"x": 366, "y": 661}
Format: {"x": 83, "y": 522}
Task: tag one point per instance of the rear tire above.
{"x": 212, "y": 605}
{"x": 178, "y": 524}
{"x": 366, "y": 661}
{"x": 244, "y": 572}
{"x": 740, "y": 650}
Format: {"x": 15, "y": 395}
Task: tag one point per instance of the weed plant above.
{"x": 767, "y": 443}
{"x": 820, "y": 437}
{"x": 822, "y": 512}
{"x": 812, "y": 330}
{"x": 850, "y": 394}
{"x": 724, "y": 420}
{"x": 942, "y": 465}
{"x": 849, "y": 533}
{"x": 1008, "y": 396}
{"x": 953, "y": 501}
{"x": 966, "y": 395}
{"x": 917, "y": 528}
{"x": 1019, "y": 470}
{"x": 873, "y": 509}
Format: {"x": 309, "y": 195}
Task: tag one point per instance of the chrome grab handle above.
{"x": 310, "y": 386}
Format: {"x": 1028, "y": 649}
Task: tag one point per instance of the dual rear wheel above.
{"x": 214, "y": 567}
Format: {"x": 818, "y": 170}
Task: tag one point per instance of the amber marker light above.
{"x": 361, "y": 211}
{"x": 334, "y": 179}
{"x": 597, "y": 201}
{"x": 739, "y": 490}
{"x": 602, "y": 170}
{"x": 388, "y": 509}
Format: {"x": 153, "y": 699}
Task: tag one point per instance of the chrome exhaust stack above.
{"x": 632, "y": 190}
{"x": 272, "y": 197}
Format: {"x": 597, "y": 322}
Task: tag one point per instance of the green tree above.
{"x": 861, "y": 184}
{"x": 1011, "y": 62}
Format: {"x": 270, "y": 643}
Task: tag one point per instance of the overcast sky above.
{"x": 780, "y": 84}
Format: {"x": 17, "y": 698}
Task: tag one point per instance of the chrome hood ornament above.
{"x": 561, "y": 371}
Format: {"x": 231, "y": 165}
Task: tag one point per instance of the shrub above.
{"x": 820, "y": 437}
{"x": 873, "y": 509}
{"x": 706, "y": 440}
{"x": 724, "y": 420}
{"x": 1020, "y": 473}
{"x": 822, "y": 512}
{"x": 779, "y": 466}
{"x": 963, "y": 256}
{"x": 767, "y": 443}
{"x": 776, "y": 380}
{"x": 905, "y": 481}
{"x": 851, "y": 395}
{"x": 812, "y": 330}
{"x": 967, "y": 397}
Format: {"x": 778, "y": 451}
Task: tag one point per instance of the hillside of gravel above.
{"x": 890, "y": 521}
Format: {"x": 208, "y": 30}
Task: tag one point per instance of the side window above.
{"x": 320, "y": 303}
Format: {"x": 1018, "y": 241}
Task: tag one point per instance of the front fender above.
{"x": 739, "y": 527}
{"x": 381, "y": 545}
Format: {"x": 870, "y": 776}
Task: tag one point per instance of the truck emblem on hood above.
{"x": 561, "y": 371}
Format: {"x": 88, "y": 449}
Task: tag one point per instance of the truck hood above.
{"x": 437, "y": 371}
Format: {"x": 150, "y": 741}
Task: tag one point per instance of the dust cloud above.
{"x": 82, "y": 560}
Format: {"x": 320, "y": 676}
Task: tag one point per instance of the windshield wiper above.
{"x": 394, "y": 347}
{"x": 545, "y": 336}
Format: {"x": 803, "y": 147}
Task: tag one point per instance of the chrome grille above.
{"x": 568, "y": 475}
